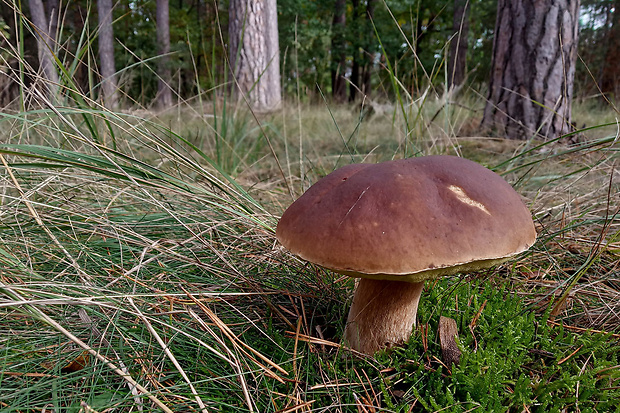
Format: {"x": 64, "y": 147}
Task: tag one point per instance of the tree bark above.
{"x": 339, "y": 53}
{"x": 272, "y": 42}
{"x": 45, "y": 45}
{"x": 610, "y": 73}
{"x": 164, "y": 91}
{"x": 254, "y": 52}
{"x": 457, "y": 59}
{"x": 533, "y": 68}
{"x": 106, "y": 54}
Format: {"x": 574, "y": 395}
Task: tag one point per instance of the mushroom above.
{"x": 397, "y": 224}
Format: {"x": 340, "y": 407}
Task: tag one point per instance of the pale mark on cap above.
{"x": 353, "y": 206}
{"x": 462, "y": 196}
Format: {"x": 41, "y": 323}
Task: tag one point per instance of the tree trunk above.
{"x": 362, "y": 48}
{"x": 457, "y": 59}
{"x": 75, "y": 18}
{"x": 106, "y": 54}
{"x": 9, "y": 86}
{"x": 339, "y": 53}
{"x": 254, "y": 52}
{"x": 273, "y": 88}
{"x": 45, "y": 45}
{"x": 357, "y": 48}
{"x": 533, "y": 68}
{"x": 369, "y": 35}
{"x": 53, "y": 9}
{"x": 610, "y": 74}
{"x": 164, "y": 92}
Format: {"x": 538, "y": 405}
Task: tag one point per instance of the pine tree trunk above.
{"x": 45, "y": 45}
{"x": 339, "y": 53}
{"x": 457, "y": 60}
{"x": 164, "y": 92}
{"x": 106, "y": 54}
{"x": 610, "y": 72}
{"x": 533, "y": 68}
{"x": 254, "y": 52}
{"x": 273, "y": 89}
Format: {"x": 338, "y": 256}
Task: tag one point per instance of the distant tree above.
{"x": 53, "y": 10}
{"x": 610, "y": 72}
{"x": 164, "y": 92}
{"x": 8, "y": 89}
{"x": 339, "y": 51}
{"x": 75, "y": 23}
{"x": 45, "y": 46}
{"x": 370, "y": 47}
{"x": 106, "y": 54}
{"x": 357, "y": 40}
{"x": 533, "y": 68}
{"x": 457, "y": 59}
{"x": 254, "y": 52}
{"x": 363, "y": 47}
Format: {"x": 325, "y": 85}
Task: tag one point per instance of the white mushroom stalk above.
{"x": 382, "y": 314}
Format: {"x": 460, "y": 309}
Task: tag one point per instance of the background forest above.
{"x": 368, "y": 35}
{"x": 148, "y": 149}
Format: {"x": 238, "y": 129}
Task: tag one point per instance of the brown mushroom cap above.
{"x": 408, "y": 220}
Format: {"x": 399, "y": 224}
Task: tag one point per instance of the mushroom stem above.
{"x": 383, "y": 314}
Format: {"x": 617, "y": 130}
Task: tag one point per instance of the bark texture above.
{"x": 457, "y": 60}
{"x": 383, "y": 314}
{"x": 106, "y": 54}
{"x": 254, "y": 52}
{"x": 533, "y": 68}
{"x": 45, "y": 45}
{"x": 164, "y": 92}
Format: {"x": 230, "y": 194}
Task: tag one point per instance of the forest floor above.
{"x": 139, "y": 269}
